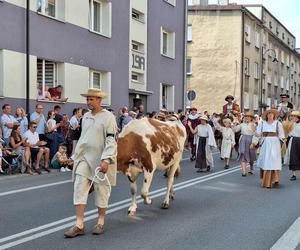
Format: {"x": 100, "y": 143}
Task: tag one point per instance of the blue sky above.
{"x": 286, "y": 11}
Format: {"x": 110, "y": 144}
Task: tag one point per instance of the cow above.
{"x": 146, "y": 145}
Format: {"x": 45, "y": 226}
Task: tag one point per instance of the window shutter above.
{"x": 49, "y": 73}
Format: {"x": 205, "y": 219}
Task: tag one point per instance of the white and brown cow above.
{"x": 146, "y": 145}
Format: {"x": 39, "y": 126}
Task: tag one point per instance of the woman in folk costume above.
{"x": 193, "y": 118}
{"x": 292, "y": 157}
{"x": 247, "y": 154}
{"x": 205, "y": 141}
{"x": 228, "y": 140}
{"x": 269, "y": 160}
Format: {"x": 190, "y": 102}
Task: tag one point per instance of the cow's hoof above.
{"x": 147, "y": 201}
{"x": 165, "y": 205}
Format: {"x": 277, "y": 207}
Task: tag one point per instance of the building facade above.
{"x": 233, "y": 50}
{"x": 93, "y": 43}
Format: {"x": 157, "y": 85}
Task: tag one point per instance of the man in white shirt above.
{"x": 40, "y": 120}
{"x": 7, "y": 121}
{"x": 36, "y": 147}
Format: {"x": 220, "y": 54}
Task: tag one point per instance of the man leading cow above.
{"x": 96, "y": 147}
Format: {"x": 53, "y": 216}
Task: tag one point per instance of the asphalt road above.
{"x": 216, "y": 210}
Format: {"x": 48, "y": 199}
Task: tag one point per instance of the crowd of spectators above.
{"x": 33, "y": 142}
{"x": 47, "y": 139}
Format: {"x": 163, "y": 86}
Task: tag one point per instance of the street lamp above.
{"x": 275, "y": 60}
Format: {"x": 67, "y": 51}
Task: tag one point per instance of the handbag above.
{"x": 50, "y": 136}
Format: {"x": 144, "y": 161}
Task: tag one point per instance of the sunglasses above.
{"x": 34, "y": 126}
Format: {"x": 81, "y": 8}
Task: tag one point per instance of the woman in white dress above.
{"x": 228, "y": 140}
{"x": 246, "y": 154}
{"x": 269, "y": 161}
{"x": 204, "y": 141}
{"x": 292, "y": 157}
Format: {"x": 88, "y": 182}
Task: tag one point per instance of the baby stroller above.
{"x": 10, "y": 163}
{"x": 10, "y": 160}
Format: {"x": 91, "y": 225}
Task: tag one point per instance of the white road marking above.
{"x": 92, "y": 214}
{"x": 290, "y": 239}
{"x": 34, "y": 187}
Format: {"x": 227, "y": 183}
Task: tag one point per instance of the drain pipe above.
{"x": 27, "y": 57}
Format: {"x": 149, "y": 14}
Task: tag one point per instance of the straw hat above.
{"x": 295, "y": 113}
{"x": 249, "y": 114}
{"x": 92, "y": 92}
{"x": 203, "y": 117}
{"x": 274, "y": 111}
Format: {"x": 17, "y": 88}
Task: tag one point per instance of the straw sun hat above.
{"x": 92, "y": 92}
{"x": 203, "y": 117}
{"x": 249, "y": 114}
{"x": 295, "y": 113}
{"x": 274, "y": 111}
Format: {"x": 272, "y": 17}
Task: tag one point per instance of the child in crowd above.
{"x": 60, "y": 160}
{"x": 228, "y": 140}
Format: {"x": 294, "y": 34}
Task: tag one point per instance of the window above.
{"x": 137, "y": 77}
{"x": 95, "y": 80}
{"x": 188, "y": 66}
{"x": 167, "y": 43}
{"x": 190, "y": 2}
{"x": 134, "y": 46}
{"x": 189, "y": 33}
{"x": 100, "y": 17}
{"x": 47, "y": 7}
{"x": 137, "y": 46}
{"x": 167, "y": 97}
{"x": 51, "y": 8}
{"x": 246, "y": 84}
{"x": 49, "y": 74}
{"x": 256, "y": 87}
{"x": 287, "y": 85}
{"x": 247, "y": 33}
{"x": 134, "y": 77}
{"x": 101, "y": 80}
{"x": 281, "y": 82}
{"x": 247, "y": 65}
{"x": 270, "y": 25}
{"x": 256, "y": 71}
{"x": 46, "y": 73}
{"x": 269, "y": 89}
{"x": 172, "y": 2}
{"x": 137, "y": 15}
{"x": 255, "y": 102}
{"x": 257, "y": 39}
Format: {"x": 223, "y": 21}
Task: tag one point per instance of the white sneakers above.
{"x": 62, "y": 169}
